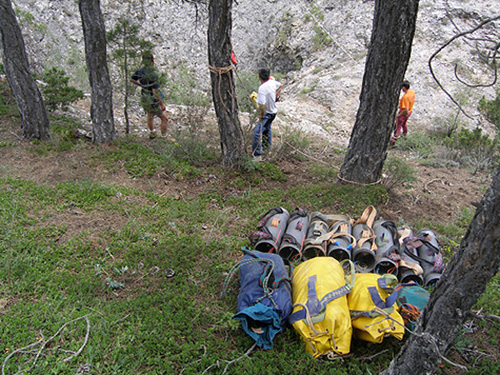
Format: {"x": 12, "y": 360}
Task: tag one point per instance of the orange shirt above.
{"x": 407, "y": 101}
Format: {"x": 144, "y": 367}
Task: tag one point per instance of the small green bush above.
{"x": 491, "y": 109}
{"x": 246, "y": 83}
{"x": 473, "y": 149}
{"x": 56, "y": 91}
{"x": 419, "y": 144}
{"x": 398, "y": 173}
{"x": 8, "y": 107}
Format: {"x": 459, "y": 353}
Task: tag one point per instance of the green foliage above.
{"x": 285, "y": 31}
{"x": 139, "y": 160}
{"x": 27, "y": 19}
{"x": 321, "y": 39}
{"x": 8, "y": 107}
{"x": 446, "y": 126}
{"x": 295, "y": 144}
{"x": 64, "y": 130}
{"x": 126, "y": 44}
{"x": 317, "y": 12}
{"x": 307, "y": 90}
{"x": 262, "y": 170}
{"x": 246, "y": 83}
{"x": 126, "y": 47}
{"x": 491, "y": 109}
{"x": 82, "y": 248}
{"x": 474, "y": 149}
{"x": 398, "y": 173}
{"x": 184, "y": 90}
{"x": 421, "y": 145}
{"x": 56, "y": 91}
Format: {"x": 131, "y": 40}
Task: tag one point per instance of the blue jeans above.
{"x": 263, "y": 128}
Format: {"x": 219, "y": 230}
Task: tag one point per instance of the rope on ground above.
{"x": 282, "y": 141}
{"x": 44, "y": 343}
{"x": 308, "y": 156}
{"x": 220, "y": 72}
{"x": 358, "y": 183}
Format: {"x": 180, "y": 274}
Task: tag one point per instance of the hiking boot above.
{"x": 257, "y": 158}
{"x": 152, "y": 135}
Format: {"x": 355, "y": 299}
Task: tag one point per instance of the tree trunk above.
{"x": 390, "y": 48}
{"x": 125, "y": 78}
{"x": 95, "y": 53}
{"x": 35, "y": 121}
{"x": 465, "y": 279}
{"x": 223, "y": 83}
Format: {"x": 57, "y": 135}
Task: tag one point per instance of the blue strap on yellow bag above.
{"x": 320, "y": 311}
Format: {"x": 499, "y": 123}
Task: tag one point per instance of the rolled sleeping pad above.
{"x": 363, "y": 255}
{"x": 406, "y": 275}
{"x": 432, "y": 263}
{"x": 342, "y": 242}
{"x": 387, "y": 255}
{"x": 317, "y": 227}
{"x": 295, "y": 235}
{"x": 271, "y": 230}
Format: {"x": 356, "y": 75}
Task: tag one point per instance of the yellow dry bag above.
{"x": 374, "y": 313}
{"x": 321, "y": 314}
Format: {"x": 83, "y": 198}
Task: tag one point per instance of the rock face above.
{"x": 319, "y": 49}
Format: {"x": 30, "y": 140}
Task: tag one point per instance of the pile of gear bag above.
{"x": 363, "y": 279}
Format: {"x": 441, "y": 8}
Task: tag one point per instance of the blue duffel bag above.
{"x": 265, "y": 297}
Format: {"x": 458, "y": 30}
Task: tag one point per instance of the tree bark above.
{"x": 390, "y": 48}
{"x": 35, "y": 121}
{"x": 465, "y": 279}
{"x": 223, "y": 83}
{"x": 97, "y": 67}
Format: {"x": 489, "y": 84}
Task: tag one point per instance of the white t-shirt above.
{"x": 267, "y": 95}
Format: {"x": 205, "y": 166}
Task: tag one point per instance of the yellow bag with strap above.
{"x": 320, "y": 311}
{"x": 372, "y": 303}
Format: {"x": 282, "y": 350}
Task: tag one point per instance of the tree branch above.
{"x": 459, "y": 35}
{"x": 44, "y": 343}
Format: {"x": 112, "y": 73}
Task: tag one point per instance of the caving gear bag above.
{"x": 265, "y": 296}
{"x": 387, "y": 240}
{"x": 410, "y": 270}
{"x": 424, "y": 249}
{"x": 270, "y": 230}
{"x": 314, "y": 245}
{"x": 372, "y": 304}
{"x": 320, "y": 311}
{"x": 342, "y": 242}
{"x": 295, "y": 235}
{"x": 322, "y": 236}
{"x": 411, "y": 301}
{"x": 363, "y": 254}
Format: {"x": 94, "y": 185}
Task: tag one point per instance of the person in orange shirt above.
{"x": 405, "y": 109}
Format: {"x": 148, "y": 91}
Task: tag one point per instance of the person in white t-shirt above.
{"x": 268, "y": 92}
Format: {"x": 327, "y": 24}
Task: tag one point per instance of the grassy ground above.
{"x": 85, "y": 284}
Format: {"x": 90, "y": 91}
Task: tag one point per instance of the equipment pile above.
{"x": 362, "y": 278}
